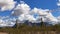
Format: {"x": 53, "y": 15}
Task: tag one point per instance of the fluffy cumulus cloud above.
{"x": 24, "y": 17}
{"x": 58, "y": 3}
{"x": 58, "y": 19}
{"x": 6, "y": 21}
{"x": 46, "y": 15}
{"x": 21, "y": 9}
{"x": 53, "y": 20}
{"x": 7, "y": 4}
{"x": 24, "y": 12}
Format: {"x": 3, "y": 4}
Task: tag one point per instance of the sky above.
{"x": 44, "y": 4}
{"x": 31, "y": 10}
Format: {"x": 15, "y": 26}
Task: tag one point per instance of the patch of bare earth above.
{"x": 3, "y": 33}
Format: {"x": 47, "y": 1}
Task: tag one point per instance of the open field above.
{"x": 32, "y": 30}
{"x": 26, "y": 29}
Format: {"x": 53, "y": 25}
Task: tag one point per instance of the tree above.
{"x": 42, "y": 23}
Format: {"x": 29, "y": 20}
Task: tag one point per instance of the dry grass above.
{"x": 24, "y": 29}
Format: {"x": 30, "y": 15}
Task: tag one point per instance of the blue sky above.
{"x": 44, "y": 4}
{"x": 28, "y": 10}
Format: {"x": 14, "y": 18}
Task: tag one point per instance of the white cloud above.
{"x": 53, "y": 20}
{"x": 24, "y": 17}
{"x": 58, "y": 4}
{"x": 58, "y": 19}
{"x": 46, "y": 15}
{"x": 7, "y": 4}
{"x": 39, "y": 11}
{"x": 4, "y": 21}
{"x": 21, "y": 9}
{"x": 24, "y": 12}
{"x": 1, "y": 20}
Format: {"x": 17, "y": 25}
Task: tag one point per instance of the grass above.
{"x": 26, "y": 28}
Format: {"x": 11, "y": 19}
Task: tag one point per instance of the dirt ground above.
{"x": 3, "y": 33}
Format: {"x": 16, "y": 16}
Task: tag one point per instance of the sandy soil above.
{"x": 3, "y": 33}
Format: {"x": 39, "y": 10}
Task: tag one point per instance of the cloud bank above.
{"x": 24, "y": 12}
